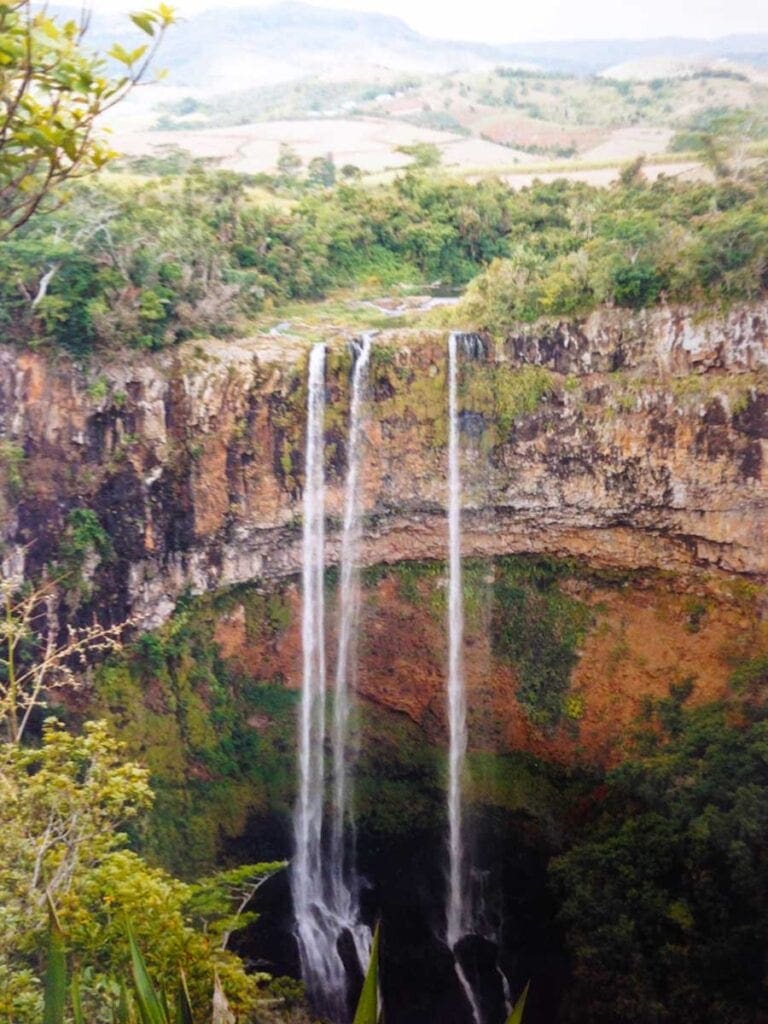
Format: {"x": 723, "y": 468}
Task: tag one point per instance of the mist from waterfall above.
{"x": 324, "y": 883}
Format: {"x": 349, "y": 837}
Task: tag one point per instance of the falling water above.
{"x": 343, "y": 883}
{"x": 318, "y": 969}
{"x": 324, "y": 884}
{"x": 458, "y": 910}
{"x": 456, "y": 913}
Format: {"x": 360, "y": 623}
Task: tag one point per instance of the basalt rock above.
{"x": 192, "y": 459}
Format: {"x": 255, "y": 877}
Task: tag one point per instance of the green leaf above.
{"x": 367, "y": 1011}
{"x": 120, "y": 54}
{"x": 516, "y": 1017}
{"x": 56, "y": 972}
{"x": 183, "y": 1004}
{"x": 77, "y": 1006}
{"x": 123, "y": 1015}
{"x": 150, "y": 1007}
{"x": 144, "y": 21}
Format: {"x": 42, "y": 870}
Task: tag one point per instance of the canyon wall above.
{"x": 636, "y": 441}
{"x": 614, "y": 506}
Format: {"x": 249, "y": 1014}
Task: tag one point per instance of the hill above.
{"x": 223, "y": 49}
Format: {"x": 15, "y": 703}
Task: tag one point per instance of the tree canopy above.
{"x": 53, "y": 90}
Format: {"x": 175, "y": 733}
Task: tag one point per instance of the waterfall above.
{"x": 456, "y": 912}
{"x": 319, "y": 970}
{"x": 458, "y": 915}
{"x": 324, "y": 884}
{"x": 344, "y": 887}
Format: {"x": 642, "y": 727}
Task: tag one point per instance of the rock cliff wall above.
{"x": 632, "y": 441}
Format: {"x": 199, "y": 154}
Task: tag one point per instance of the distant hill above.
{"x": 226, "y": 49}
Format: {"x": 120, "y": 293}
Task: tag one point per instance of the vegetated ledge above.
{"x": 630, "y": 440}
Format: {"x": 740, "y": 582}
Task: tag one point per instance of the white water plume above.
{"x": 458, "y": 917}
{"x": 318, "y": 970}
{"x": 343, "y": 882}
{"x": 324, "y": 883}
{"x": 457, "y": 911}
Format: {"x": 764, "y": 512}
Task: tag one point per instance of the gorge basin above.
{"x": 613, "y": 549}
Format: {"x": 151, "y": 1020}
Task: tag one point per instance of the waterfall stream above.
{"x": 456, "y": 911}
{"x": 459, "y": 911}
{"x": 324, "y": 884}
{"x": 319, "y": 969}
{"x": 343, "y": 882}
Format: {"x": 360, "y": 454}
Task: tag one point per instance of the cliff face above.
{"x": 623, "y": 455}
{"x": 635, "y": 442}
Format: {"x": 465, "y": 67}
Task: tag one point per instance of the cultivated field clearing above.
{"x": 369, "y": 143}
{"x": 627, "y": 143}
{"x": 685, "y": 170}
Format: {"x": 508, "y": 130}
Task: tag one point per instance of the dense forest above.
{"x": 150, "y": 262}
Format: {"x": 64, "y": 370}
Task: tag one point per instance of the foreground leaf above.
{"x": 77, "y": 1006}
{"x": 368, "y": 1006}
{"x": 150, "y": 1007}
{"x": 56, "y": 972}
{"x": 516, "y": 1016}
{"x": 183, "y": 1004}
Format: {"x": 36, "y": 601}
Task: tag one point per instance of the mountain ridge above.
{"x": 225, "y": 48}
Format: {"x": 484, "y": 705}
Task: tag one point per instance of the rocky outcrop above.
{"x": 668, "y": 341}
{"x": 631, "y": 441}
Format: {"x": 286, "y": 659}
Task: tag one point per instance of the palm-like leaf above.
{"x": 151, "y": 1008}
{"x": 368, "y": 1006}
{"x": 55, "y": 997}
{"x": 516, "y": 1017}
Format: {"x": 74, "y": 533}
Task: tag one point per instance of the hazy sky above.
{"x": 503, "y": 21}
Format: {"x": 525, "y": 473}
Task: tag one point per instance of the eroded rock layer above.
{"x": 632, "y": 441}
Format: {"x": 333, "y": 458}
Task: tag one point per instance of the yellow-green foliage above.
{"x": 538, "y": 627}
{"x": 124, "y": 889}
{"x": 62, "y": 815}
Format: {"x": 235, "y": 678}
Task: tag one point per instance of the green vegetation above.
{"x": 503, "y": 396}
{"x": 632, "y": 246}
{"x": 203, "y": 254}
{"x": 663, "y": 891}
{"x": 214, "y": 736}
{"x": 61, "y": 838}
{"x": 724, "y": 137}
{"x": 12, "y": 465}
{"x": 367, "y": 1011}
{"x": 199, "y": 255}
{"x": 398, "y": 779}
{"x": 84, "y": 540}
{"x": 54, "y": 92}
{"x": 537, "y": 627}
{"x": 72, "y": 808}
